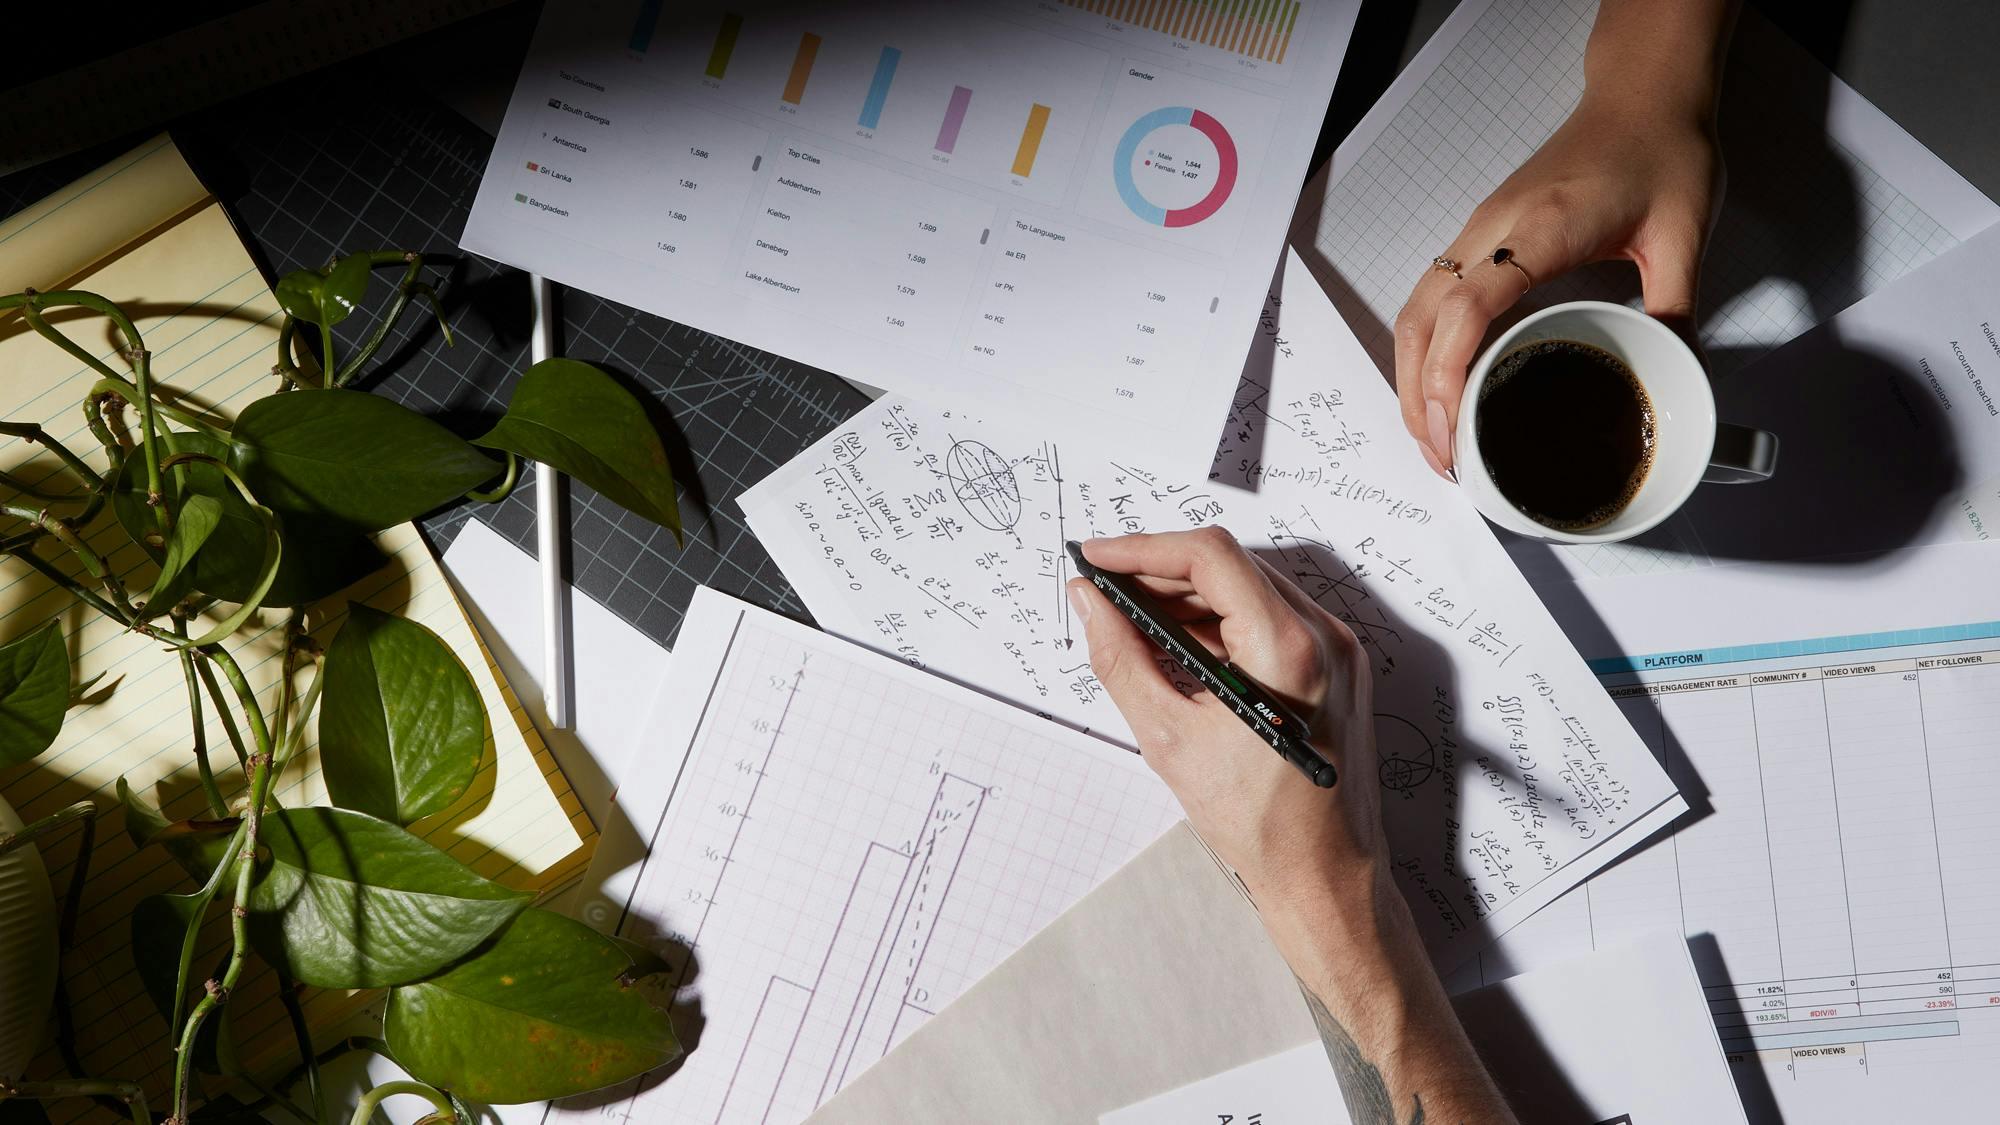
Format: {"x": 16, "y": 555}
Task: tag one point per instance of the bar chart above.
{"x": 878, "y": 89}
{"x": 1014, "y": 194}
{"x": 954, "y": 119}
{"x": 1258, "y": 29}
{"x": 802, "y": 68}
{"x": 1031, "y": 140}
{"x": 725, "y": 43}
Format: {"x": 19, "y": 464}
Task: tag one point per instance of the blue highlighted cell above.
{"x": 878, "y": 90}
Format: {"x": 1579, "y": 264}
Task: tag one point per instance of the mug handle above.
{"x": 1741, "y": 455}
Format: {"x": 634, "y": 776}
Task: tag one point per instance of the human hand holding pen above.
{"x": 1253, "y": 807}
{"x": 1315, "y": 861}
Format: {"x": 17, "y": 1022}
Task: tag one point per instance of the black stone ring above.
{"x": 1505, "y": 257}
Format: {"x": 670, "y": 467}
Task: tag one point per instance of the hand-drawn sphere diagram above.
{"x": 984, "y": 485}
{"x": 1175, "y": 166}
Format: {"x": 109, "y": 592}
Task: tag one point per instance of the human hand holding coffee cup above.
{"x": 1589, "y": 422}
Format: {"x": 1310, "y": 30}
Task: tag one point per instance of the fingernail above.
{"x": 1431, "y": 459}
{"x": 1080, "y": 603}
{"x": 1441, "y": 443}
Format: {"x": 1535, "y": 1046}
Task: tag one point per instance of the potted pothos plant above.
{"x": 488, "y": 998}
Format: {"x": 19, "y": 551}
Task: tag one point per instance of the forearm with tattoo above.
{"x": 1361, "y": 1084}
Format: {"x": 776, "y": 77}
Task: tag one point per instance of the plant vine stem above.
{"x": 404, "y": 289}
{"x": 505, "y": 488}
{"x": 288, "y": 747}
{"x": 216, "y": 804}
{"x": 245, "y": 867}
{"x": 192, "y": 934}
{"x": 34, "y": 434}
{"x": 32, "y": 305}
{"x": 127, "y": 1094}
{"x": 287, "y": 368}
{"x": 288, "y": 669}
{"x": 35, "y": 830}
{"x": 373, "y": 1098}
{"x": 92, "y": 563}
{"x": 91, "y": 417}
{"x": 222, "y": 711}
{"x": 38, "y": 492}
{"x": 89, "y": 596}
{"x": 93, "y": 502}
{"x": 119, "y": 388}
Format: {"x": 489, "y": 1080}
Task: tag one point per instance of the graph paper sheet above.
{"x": 1828, "y": 201}
{"x": 831, "y": 845}
{"x": 1507, "y": 775}
{"x": 1836, "y": 871}
{"x": 1011, "y": 205}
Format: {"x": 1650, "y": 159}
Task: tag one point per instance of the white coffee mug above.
{"x": 1689, "y": 445}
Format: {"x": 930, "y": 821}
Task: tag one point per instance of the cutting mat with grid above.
{"x": 388, "y": 174}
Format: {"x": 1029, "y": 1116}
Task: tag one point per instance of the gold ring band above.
{"x": 1447, "y": 265}
{"x": 1505, "y": 257}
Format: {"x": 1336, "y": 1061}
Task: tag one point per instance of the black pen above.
{"x": 1267, "y": 718}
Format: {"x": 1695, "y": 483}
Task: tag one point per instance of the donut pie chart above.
{"x": 1146, "y": 126}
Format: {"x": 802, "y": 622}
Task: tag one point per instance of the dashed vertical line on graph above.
{"x": 917, "y": 965}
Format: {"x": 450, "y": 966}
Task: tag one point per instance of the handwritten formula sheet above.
{"x": 1508, "y": 775}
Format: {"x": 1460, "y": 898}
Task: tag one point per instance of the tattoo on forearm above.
{"x": 1361, "y": 1084}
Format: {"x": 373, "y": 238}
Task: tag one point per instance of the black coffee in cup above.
{"x": 1566, "y": 431}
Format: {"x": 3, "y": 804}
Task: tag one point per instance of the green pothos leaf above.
{"x": 545, "y": 1011}
{"x": 577, "y": 419}
{"x": 34, "y": 693}
{"x": 274, "y": 551}
{"x": 401, "y": 726}
{"x": 322, "y": 555}
{"x": 349, "y": 901}
{"x": 354, "y": 458}
{"x": 325, "y": 297}
{"x": 197, "y": 520}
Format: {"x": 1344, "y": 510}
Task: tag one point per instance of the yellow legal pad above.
{"x": 143, "y": 232}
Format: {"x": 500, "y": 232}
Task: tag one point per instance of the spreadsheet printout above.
{"x": 1063, "y": 207}
{"x": 1837, "y": 870}
{"x": 1507, "y": 774}
{"x": 827, "y": 846}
